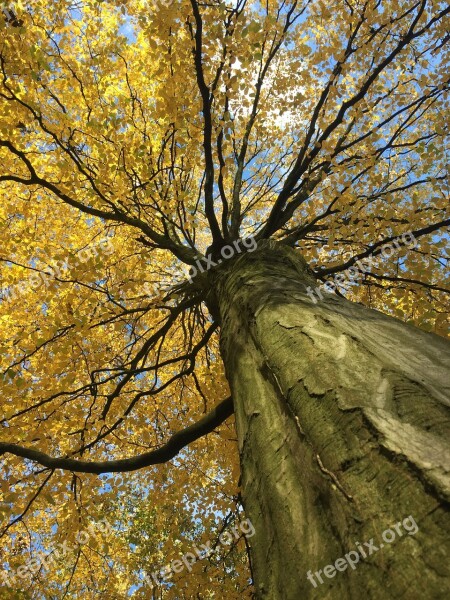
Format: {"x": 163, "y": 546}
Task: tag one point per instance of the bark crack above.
{"x": 324, "y": 470}
{"x": 298, "y": 426}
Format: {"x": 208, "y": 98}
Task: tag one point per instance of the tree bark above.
{"x": 343, "y": 427}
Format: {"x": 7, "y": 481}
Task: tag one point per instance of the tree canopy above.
{"x": 137, "y": 138}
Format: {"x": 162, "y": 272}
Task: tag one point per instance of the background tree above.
{"x": 136, "y": 139}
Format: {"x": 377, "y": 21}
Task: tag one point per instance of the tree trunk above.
{"x": 343, "y": 427}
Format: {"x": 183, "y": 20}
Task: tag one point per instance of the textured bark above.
{"x": 343, "y": 427}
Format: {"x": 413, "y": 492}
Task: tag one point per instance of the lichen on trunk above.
{"x": 343, "y": 427}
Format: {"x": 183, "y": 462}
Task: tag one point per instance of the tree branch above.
{"x": 178, "y": 441}
{"x": 208, "y": 127}
{"x": 182, "y": 252}
{"x": 376, "y": 249}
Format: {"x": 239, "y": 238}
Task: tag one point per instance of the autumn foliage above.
{"x": 156, "y": 133}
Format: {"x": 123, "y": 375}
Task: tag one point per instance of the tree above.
{"x": 178, "y": 180}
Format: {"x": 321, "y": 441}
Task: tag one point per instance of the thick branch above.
{"x": 208, "y": 127}
{"x": 178, "y": 441}
{"x": 182, "y": 252}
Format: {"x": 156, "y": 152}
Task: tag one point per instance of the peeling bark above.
{"x": 343, "y": 427}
